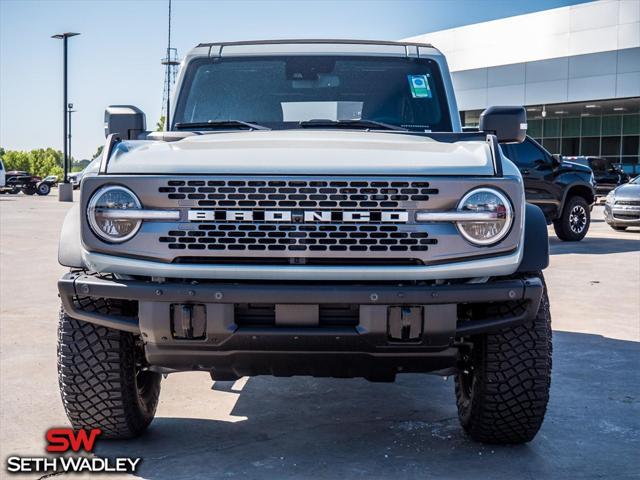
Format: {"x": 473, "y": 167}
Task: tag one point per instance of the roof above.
{"x": 324, "y": 46}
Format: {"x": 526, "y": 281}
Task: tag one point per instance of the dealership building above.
{"x": 576, "y": 70}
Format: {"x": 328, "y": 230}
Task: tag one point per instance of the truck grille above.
{"x": 297, "y": 193}
{"x": 312, "y": 238}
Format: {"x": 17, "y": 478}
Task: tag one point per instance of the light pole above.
{"x": 65, "y": 189}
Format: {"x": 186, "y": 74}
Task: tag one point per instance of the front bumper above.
{"x": 622, "y": 215}
{"x": 231, "y": 347}
{"x": 500, "y": 265}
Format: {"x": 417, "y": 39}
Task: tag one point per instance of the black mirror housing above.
{"x": 509, "y": 124}
{"x": 126, "y": 121}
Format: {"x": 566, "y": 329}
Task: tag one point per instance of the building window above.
{"x": 610, "y": 146}
{"x": 611, "y": 125}
{"x": 534, "y": 128}
{"x": 570, "y": 146}
{"x": 590, "y": 146}
{"x": 551, "y": 144}
{"x": 631, "y": 125}
{"x": 571, "y": 127}
{"x": 591, "y": 126}
{"x": 630, "y": 145}
{"x": 551, "y": 127}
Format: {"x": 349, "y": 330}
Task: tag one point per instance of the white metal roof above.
{"x": 593, "y": 27}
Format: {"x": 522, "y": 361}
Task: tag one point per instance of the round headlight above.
{"x": 102, "y": 213}
{"x": 496, "y": 223}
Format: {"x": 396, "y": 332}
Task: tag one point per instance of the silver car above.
{"x": 622, "y": 207}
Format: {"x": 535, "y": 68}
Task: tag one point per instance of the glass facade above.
{"x": 573, "y": 130}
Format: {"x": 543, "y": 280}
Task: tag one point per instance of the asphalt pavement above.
{"x": 302, "y": 427}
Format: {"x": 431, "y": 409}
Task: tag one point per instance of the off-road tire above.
{"x": 29, "y": 190}
{"x": 101, "y": 383}
{"x": 563, "y": 225}
{"x": 503, "y": 397}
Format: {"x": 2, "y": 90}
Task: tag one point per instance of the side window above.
{"x": 528, "y": 155}
{"x": 507, "y": 151}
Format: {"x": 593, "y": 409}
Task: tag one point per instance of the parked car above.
{"x": 622, "y": 207}
{"x": 75, "y": 178}
{"x": 565, "y": 191}
{"x": 51, "y": 180}
{"x": 2, "y": 174}
{"x": 607, "y": 173}
{"x": 20, "y": 181}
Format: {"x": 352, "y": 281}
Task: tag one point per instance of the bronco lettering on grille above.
{"x": 306, "y": 216}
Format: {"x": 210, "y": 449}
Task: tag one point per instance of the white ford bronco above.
{"x": 313, "y": 208}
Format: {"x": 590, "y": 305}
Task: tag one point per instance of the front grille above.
{"x": 329, "y": 315}
{"x": 626, "y": 216}
{"x": 628, "y": 202}
{"x": 298, "y": 238}
{"x": 298, "y": 193}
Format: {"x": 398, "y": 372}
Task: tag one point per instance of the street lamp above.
{"x": 65, "y": 190}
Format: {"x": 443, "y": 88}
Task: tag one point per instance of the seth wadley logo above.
{"x": 66, "y": 440}
{"x": 307, "y": 216}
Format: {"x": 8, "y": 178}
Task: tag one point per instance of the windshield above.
{"x": 282, "y": 91}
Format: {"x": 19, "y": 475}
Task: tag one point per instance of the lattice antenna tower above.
{"x": 171, "y": 64}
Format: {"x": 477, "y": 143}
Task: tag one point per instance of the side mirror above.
{"x": 508, "y": 123}
{"x": 556, "y": 159}
{"x": 127, "y": 121}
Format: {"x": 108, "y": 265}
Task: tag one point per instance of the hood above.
{"x": 303, "y": 152}
{"x": 629, "y": 191}
{"x": 575, "y": 166}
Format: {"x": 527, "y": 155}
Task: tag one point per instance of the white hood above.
{"x": 303, "y": 152}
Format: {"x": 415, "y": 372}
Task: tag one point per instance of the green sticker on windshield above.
{"x": 419, "y": 86}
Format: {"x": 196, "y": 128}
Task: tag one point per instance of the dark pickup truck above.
{"x": 19, "y": 181}
{"x": 565, "y": 191}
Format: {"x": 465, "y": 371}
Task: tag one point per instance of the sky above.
{"x": 116, "y": 59}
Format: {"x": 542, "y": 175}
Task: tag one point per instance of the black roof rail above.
{"x": 312, "y": 40}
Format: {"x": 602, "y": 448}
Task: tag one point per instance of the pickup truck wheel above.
{"x": 29, "y": 190}
{"x": 503, "y": 388}
{"x": 101, "y": 379}
{"x": 574, "y": 222}
{"x": 43, "y": 189}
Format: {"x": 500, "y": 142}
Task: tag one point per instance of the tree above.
{"x": 161, "y": 124}
{"x": 41, "y": 162}
{"x": 98, "y": 152}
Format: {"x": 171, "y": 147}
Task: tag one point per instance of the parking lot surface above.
{"x": 265, "y": 427}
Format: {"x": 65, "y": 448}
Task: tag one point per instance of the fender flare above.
{"x": 565, "y": 194}
{"x": 70, "y": 244}
{"x": 535, "y": 256}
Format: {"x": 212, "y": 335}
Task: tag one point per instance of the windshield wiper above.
{"x": 212, "y": 124}
{"x": 362, "y": 123}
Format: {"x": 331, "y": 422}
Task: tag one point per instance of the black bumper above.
{"x": 230, "y": 347}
